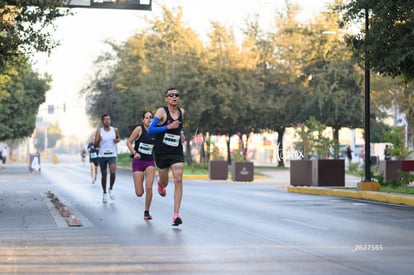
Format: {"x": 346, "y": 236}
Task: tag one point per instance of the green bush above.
{"x": 196, "y": 168}
{"x": 399, "y": 190}
{"x": 404, "y": 179}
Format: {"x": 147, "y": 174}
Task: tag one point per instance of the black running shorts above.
{"x": 165, "y": 161}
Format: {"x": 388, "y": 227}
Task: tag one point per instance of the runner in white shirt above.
{"x": 106, "y": 139}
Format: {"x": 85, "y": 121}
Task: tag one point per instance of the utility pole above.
{"x": 367, "y": 103}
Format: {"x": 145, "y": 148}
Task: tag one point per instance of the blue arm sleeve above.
{"x": 154, "y": 129}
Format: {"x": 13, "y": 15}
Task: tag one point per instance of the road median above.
{"x": 352, "y": 193}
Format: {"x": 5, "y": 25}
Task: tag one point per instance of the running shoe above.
{"x": 147, "y": 216}
{"x": 162, "y": 190}
{"x": 111, "y": 195}
{"x": 93, "y": 181}
{"x": 105, "y": 198}
{"x": 177, "y": 220}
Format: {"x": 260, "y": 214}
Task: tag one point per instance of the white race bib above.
{"x": 94, "y": 155}
{"x": 145, "y": 148}
{"x": 171, "y": 140}
{"x": 108, "y": 152}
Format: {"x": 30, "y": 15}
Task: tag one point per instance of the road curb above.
{"x": 206, "y": 177}
{"x": 71, "y": 220}
{"x": 195, "y": 177}
{"x": 365, "y": 195}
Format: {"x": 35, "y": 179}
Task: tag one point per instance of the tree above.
{"x": 392, "y": 96}
{"x": 378, "y": 130}
{"x": 270, "y": 82}
{"x": 26, "y": 28}
{"x": 210, "y": 79}
{"x": 396, "y": 137}
{"x": 390, "y": 40}
{"x": 135, "y": 75}
{"x": 280, "y": 69}
{"x": 103, "y": 97}
{"x": 23, "y": 91}
{"x": 332, "y": 78}
{"x": 389, "y": 43}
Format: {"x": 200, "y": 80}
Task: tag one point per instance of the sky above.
{"x": 82, "y": 39}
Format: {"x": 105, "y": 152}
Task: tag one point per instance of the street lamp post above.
{"x": 367, "y": 104}
{"x": 367, "y": 183}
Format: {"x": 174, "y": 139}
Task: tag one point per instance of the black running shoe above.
{"x": 177, "y": 220}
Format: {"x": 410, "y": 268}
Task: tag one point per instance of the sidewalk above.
{"x": 36, "y": 239}
{"x": 24, "y": 202}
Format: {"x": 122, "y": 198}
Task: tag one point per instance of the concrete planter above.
{"x": 218, "y": 170}
{"x": 301, "y": 172}
{"x": 317, "y": 172}
{"x": 328, "y": 172}
{"x": 242, "y": 171}
{"x": 390, "y": 168}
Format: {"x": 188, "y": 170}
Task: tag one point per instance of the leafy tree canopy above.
{"x": 390, "y": 39}
{"x": 270, "y": 81}
{"x": 23, "y": 91}
{"x": 25, "y": 28}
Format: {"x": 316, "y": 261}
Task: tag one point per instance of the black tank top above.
{"x": 144, "y": 145}
{"x": 169, "y": 142}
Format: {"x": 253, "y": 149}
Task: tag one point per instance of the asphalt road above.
{"x": 229, "y": 228}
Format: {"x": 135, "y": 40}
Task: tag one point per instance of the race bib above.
{"x": 171, "y": 140}
{"x": 108, "y": 152}
{"x": 94, "y": 155}
{"x": 145, "y": 148}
